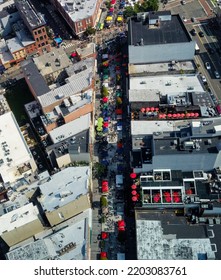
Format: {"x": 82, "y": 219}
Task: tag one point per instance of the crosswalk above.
{"x": 68, "y": 46}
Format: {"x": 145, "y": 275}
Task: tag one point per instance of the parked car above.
{"x": 193, "y": 32}
{"x": 183, "y": 2}
{"x": 204, "y": 79}
{"x": 193, "y": 19}
{"x": 201, "y": 34}
{"x": 216, "y": 74}
{"x": 207, "y": 65}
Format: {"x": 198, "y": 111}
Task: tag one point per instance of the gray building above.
{"x": 193, "y": 146}
{"x": 8, "y": 17}
{"x": 158, "y": 37}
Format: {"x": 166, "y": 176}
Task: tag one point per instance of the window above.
{"x": 43, "y": 44}
{"x": 39, "y": 31}
{"x": 41, "y": 37}
{"x": 45, "y": 36}
{"x": 35, "y": 33}
{"x": 37, "y": 39}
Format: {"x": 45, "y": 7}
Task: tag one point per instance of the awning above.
{"x": 133, "y": 187}
{"x": 133, "y": 192}
{"x": 103, "y": 255}
{"x": 134, "y": 198}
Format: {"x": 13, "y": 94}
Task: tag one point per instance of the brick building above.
{"x": 79, "y": 14}
{"x": 35, "y": 24}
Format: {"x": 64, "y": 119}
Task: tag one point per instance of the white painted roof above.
{"x": 19, "y": 217}
{"x": 70, "y": 129}
{"x": 168, "y": 84}
{"x": 12, "y": 147}
{"x": 64, "y": 187}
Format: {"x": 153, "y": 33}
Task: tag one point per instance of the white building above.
{"x": 16, "y": 160}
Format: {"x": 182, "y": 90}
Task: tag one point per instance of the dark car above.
{"x": 201, "y": 34}
{"x": 193, "y": 32}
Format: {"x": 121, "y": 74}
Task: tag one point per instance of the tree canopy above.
{"x": 145, "y": 6}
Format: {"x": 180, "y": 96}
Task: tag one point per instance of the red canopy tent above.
{"x": 104, "y": 182}
{"x": 169, "y": 115}
{"x": 111, "y": 9}
{"x": 105, "y": 99}
{"x": 152, "y": 109}
{"x": 134, "y": 192}
{"x": 143, "y": 110}
{"x": 113, "y": 2}
{"x": 174, "y": 115}
{"x": 161, "y": 116}
{"x": 192, "y": 114}
{"x": 104, "y": 235}
{"x": 182, "y": 115}
{"x": 134, "y": 198}
{"x": 147, "y": 109}
{"x": 105, "y": 124}
{"x": 74, "y": 54}
{"x": 121, "y": 223}
{"x": 103, "y": 254}
{"x": 119, "y": 111}
{"x": 133, "y": 175}
{"x": 133, "y": 187}
{"x": 178, "y": 115}
{"x": 104, "y": 188}
{"x": 196, "y": 115}
{"x": 187, "y": 115}
{"x": 157, "y": 109}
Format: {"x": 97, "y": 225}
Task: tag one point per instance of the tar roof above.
{"x": 169, "y": 31}
{"x": 28, "y": 13}
{"x": 35, "y": 78}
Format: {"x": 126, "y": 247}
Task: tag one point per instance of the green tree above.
{"x": 90, "y": 31}
{"x": 108, "y": 4}
{"x": 129, "y": 12}
{"x": 99, "y": 170}
{"x": 103, "y": 201}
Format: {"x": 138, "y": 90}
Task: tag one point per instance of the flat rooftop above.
{"x": 78, "y": 9}
{"x": 70, "y": 129}
{"x": 167, "y": 84}
{"x": 36, "y": 80}
{"x": 64, "y": 187}
{"x": 5, "y": 55}
{"x": 69, "y": 241}
{"x": 13, "y": 148}
{"x": 80, "y": 143}
{"x": 165, "y": 236}
{"x": 18, "y": 217}
{"x": 168, "y": 31}
{"x": 160, "y": 68}
{"x": 14, "y": 44}
{"x": 28, "y": 12}
{"x": 52, "y": 62}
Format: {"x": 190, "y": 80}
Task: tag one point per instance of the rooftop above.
{"x": 14, "y": 44}
{"x": 161, "y": 68}
{"x": 12, "y": 153}
{"x": 18, "y": 217}
{"x": 35, "y": 78}
{"x": 167, "y": 84}
{"x": 64, "y": 187}
{"x": 75, "y": 84}
{"x": 165, "y": 236}
{"x": 78, "y": 9}
{"x": 84, "y": 52}
{"x": 170, "y": 29}
{"x": 70, "y": 129}
{"x": 72, "y": 144}
{"x": 29, "y": 14}
{"x": 52, "y": 61}
{"x": 5, "y": 55}
{"x": 69, "y": 242}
